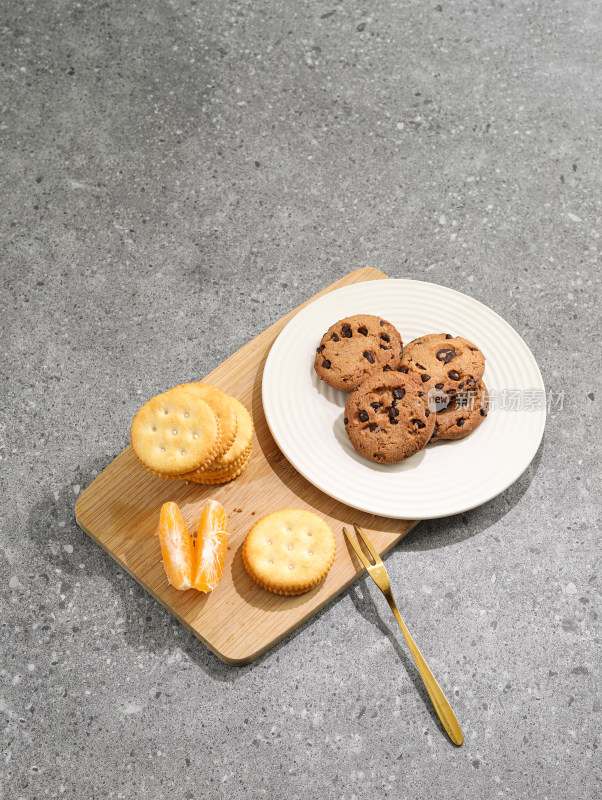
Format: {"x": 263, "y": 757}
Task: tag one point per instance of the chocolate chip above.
{"x": 445, "y": 355}
{"x": 393, "y": 421}
{"x": 419, "y": 423}
{"x": 393, "y": 412}
{"x": 483, "y": 412}
{"x": 425, "y": 378}
{"x": 398, "y": 393}
{"x": 421, "y": 394}
{"x": 427, "y": 413}
{"x": 434, "y": 433}
{"x": 460, "y": 422}
{"x": 375, "y": 406}
{"x": 326, "y": 364}
{"x": 335, "y": 337}
{"x": 403, "y": 369}
{"x": 461, "y": 385}
{"x": 368, "y": 356}
{"x": 373, "y": 426}
{"x": 346, "y": 331}
{"x": 448, "y": 336}
{"x": 438, "y": 386}
{"x": 385, "y": 337}
{"x": 382, "y": 323}
{"x": 363, "y": 415}
{"x": 320, "y": 349}
{"x": 386, "y": 347}
{"x": 455, "y": 376}
{"x": 363, "y": 331}
{"x": 420, "y": 366}
{"x": 471, "y": 383}
{"x": 386, "y": 368}
{"x": 474, "y": 349}
{"x": 346, "y": 420}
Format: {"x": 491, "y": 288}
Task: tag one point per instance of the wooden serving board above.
{"x": 238, "y": 621}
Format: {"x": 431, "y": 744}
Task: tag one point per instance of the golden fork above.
{"x": 379, "y": 575}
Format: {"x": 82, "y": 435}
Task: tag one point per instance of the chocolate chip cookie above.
{"x": 387, "y": 417}
{"x": 355, "y": 347}
{"x": 464, "y": 413}
{"x": 444, "y": 362}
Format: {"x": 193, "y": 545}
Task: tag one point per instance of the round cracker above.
{"x": 244, "y": 437}
{"x": 214, "y": 470}
{"x": 222, "y": 406}
{"x": 289, "y": 552}
{"x": 175, "y": 432}
{"x": 209, "y": 478}
{"x": 228, "y": 466}
{"x": 239, "y": 450}
{"x": 209, "y": 475}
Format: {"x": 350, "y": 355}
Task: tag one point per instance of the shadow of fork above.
{"x": 366, "y": 606}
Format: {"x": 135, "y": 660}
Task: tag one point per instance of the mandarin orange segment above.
{"x": 176, "y": 547}
{"x": 210, "y": 547}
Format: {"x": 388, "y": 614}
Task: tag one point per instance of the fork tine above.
{"x": 357, "y": 549}
{"x": 368, "y": 543}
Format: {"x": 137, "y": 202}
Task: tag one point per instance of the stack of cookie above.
{"x": 193, "y": 432}
{"x": 402, "y": 398}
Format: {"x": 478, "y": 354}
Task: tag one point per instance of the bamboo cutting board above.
{"x": 238, "y": 621}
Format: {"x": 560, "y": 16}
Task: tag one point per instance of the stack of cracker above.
{"x": 193, "y": 432}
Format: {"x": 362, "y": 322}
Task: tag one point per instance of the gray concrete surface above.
{"x": 176, "y": 176}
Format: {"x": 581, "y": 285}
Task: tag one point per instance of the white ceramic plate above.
{"x": 305, "y": 415}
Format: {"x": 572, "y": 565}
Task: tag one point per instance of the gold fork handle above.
{"x": 438, "y": 699}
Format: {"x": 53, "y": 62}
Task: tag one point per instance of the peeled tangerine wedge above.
{"x": 194, "y": 562}
{"x": 176, "y": 547}
{"x": 210, "y": 547}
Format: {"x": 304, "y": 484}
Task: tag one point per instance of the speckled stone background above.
{"x": 176, "y": 176}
